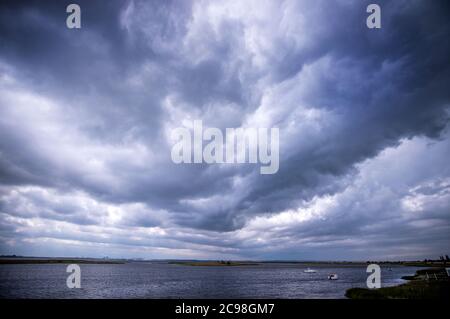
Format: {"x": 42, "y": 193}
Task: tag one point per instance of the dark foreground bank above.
{"x": 432, "y": 283}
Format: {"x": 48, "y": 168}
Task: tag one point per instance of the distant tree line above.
{"x": 442, "y": 259}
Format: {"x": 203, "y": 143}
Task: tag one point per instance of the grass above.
{"x": 420, "y": 286}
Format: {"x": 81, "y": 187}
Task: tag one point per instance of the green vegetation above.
{"x": 425, "y": 284}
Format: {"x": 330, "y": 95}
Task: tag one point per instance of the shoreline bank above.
{"x": 430, "y": 283}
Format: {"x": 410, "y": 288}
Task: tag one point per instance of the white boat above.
{"x": 309, "y": 270}
{"x": 333, "y": 277}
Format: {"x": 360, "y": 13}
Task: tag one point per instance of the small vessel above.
{"x": 309, "y": 270}
{"x": 333, "y": 277}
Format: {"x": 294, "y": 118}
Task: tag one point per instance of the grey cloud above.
{"x": 111, "y": 82}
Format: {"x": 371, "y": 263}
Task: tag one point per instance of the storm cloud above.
{"x": 86, "y": 117}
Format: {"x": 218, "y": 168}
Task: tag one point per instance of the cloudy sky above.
{"x": 86, "y": 117}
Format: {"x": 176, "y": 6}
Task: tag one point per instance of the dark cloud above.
{"x": 90, "y": 111}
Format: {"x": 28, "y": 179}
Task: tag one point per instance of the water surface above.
{"x": 163, "y": 280}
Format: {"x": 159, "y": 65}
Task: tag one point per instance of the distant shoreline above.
{"x": 22, "y": 261}
{"x": 192, "y": 262}
{"x": 305, "y": 264}
{"x": 214, "y": 263}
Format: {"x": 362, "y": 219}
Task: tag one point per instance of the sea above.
{"x": 141, "y": 280}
